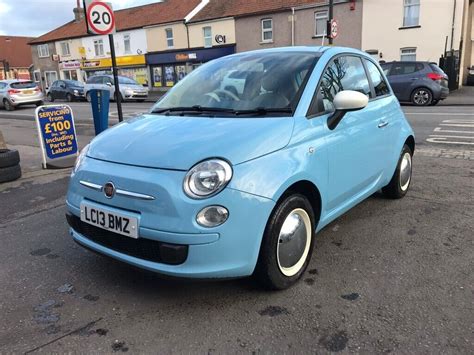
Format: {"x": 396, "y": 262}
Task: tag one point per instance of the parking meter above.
{"x": 100, "y": 101}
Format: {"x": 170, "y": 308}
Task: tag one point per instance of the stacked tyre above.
{"x": 9, "y": 165}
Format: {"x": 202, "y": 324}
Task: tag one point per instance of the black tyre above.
{"x": 287, "y": 243}
{"x": 9, "y": 158}
{"x": 50, "y": 98}
{"x": 10, "y": 174}
{"x": 422, "y": 97}
{"x": 88, "y": 97}
{"x": 39, "y": 103}
{"x": 69, "y": 98}
{"x": 8, "y": 105}
{"x": 141, "y": 100}
{"x": 398, "y": 186}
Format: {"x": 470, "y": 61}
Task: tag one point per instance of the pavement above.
{"x": 461, "y": 97}
{"x": 388, "y": 276}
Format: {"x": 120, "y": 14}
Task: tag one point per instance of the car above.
{"x": 17, "y": 92}
{"x": 421, "y": 83}
{"x": 69, "y": 90}
{"x": 129, "y": 88}
{"x": 213, "y": 184}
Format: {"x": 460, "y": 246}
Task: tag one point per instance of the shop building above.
{"x": 70, "y": 56}
{"x": 15, "y": 54}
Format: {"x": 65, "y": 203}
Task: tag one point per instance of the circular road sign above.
{"x": 100, "y": 18}
{"x": 334, "y": 28}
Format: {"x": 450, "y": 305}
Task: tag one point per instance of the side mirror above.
{"x": 109, "y": 83}
{"x": 63, "y": 86}
{"x": 346, "y": 101}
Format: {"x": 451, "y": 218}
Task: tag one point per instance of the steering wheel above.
{"x": 220, "y": 93}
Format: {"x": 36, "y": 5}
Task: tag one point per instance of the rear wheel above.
{"x": 8, "y": 105}
{"x": 422, "y": 97}
{"x": 50, "y": 98}
{"x": 88, "y": 97}
{"x": 401, "y": 179}
{"x": 287, "y": 243}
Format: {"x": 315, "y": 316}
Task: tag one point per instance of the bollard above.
{"x": 100, "y": 102}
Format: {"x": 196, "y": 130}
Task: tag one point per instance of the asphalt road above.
{"x": 388, "y": 276}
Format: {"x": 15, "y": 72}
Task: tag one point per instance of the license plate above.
{"x": 28, "y": 92}
{"x": 108, "y": 220}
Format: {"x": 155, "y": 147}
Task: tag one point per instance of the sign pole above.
{"x": 118, "y": 96}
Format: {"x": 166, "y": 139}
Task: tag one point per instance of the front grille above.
{"x": 142, "y": 248}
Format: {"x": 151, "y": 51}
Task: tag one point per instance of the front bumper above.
{"x": 229, "y": 250}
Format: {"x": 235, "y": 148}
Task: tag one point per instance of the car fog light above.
{"x": 212, "y": 216}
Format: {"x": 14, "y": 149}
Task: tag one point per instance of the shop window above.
{"x": 321, "y": 18}
{"x": 170, "y": 75}
{"x": 99, "y": 48}
{"x": 157, "y": 77}
{"x": 411, "y": 13}
{"x": 408, "y": 54}
{"x": 126, "y": 44}
{"x": 207, "y": 31}
{"x": 43, "y": 51}
{"x": 169, "y": 37}
{"x": 267, "y": 30}
{"x": 65, "y": 49}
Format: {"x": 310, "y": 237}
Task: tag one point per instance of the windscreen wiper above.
{"x": 195, "y": 108}
{"x": 264, "y": 111}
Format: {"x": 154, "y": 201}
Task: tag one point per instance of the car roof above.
{"x": 12, "y": 81}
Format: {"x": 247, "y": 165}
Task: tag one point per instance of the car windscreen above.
{"x": 254, "y": 83}
{"x": 74, "y": 83}
{"x": 127, "y": 81}
{"x": 436, "y": 69}
{"x": 23, "y": 85}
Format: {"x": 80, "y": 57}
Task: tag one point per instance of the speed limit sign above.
{"x": 100, "y": 17}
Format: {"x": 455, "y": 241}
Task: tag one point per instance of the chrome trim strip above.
{"x": 133, "y": 195}
{"x": 118, "y": 191}
{"x": 90, "y": 185}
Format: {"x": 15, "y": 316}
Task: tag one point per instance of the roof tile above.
{"x": 16, "y": 51}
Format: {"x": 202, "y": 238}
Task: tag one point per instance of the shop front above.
{"x": 132, "y": 66}
{"x": 70, "y": 70}
{"x": 167, "y": 68}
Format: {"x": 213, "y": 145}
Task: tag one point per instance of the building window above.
{"x": 126, "y": 44}
{"x": 169, "y": 37}
{"x": 207, "y": 37}
{"x": 99, "y": 47}
{"x": 411, "y": 13}
{"x": 267, "y": 30}
{"x": 65, "y": 48}
{"x": 321, "y": 18}
{"x": 43, "y": 51}
{"x": 408, "y": 54}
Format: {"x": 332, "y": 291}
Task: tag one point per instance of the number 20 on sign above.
{"x": 100, "y": 17}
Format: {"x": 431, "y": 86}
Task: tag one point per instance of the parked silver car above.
{"x": 129, "y": 88}
{"x": 16, "y": 92}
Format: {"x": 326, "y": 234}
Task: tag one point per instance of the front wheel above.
{"x": 401, "y": 179}
{"x": 69, "y": 98}
{"x": 287, "y": 243}
{"x": 422, "y": 97}
{"x": 88, "y": 97}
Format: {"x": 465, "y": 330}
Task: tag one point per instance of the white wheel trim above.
{"x": 293, "y": 270}
{"x": 404, "y": 165}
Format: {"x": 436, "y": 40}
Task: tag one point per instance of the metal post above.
{"x": 331, "y": 15}
{"x": 116, "y": 82}
{"x": 4, "y": 68}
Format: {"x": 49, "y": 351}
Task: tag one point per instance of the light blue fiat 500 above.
{"x": 234, "y": 171}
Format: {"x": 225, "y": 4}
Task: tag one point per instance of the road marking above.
{"x": 445, "y": 153}
{"x": 443, "y": 136}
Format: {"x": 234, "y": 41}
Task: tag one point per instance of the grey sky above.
{"x": 36, "y": 17}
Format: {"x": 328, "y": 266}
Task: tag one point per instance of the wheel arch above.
{"x": 410, "y": 141}
{"x": 307, "y": 189}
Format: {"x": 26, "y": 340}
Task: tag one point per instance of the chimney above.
{"x": 78, "y": 12}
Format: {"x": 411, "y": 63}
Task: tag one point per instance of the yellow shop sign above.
{"x": 107, "y": 62}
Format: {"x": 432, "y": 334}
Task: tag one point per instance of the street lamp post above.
{"x": 331, "y": 16}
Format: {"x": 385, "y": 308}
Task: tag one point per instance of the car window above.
{"x": 436, "y": 69}
{"x": 380, "y": 86}
{"x": 406, "y": 68}
{"x": 126, "y": 81}
{"x": 93, "y": 80}
{"x": 343, "y": 73}
{"x": 3, "y": 86}
{"x": 61, "y": 84}
{"x": 386, "y": 68}
{"x": 238, "y": 75}
{"x": 54, "y": 84}
{"x": 23, "y": 85}
{"x": 106, "y": 80}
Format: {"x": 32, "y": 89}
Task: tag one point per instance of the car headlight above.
{"x": 128, "y": 92}
{"x": 80, "y": 159}
{"x": 207, "y": 178}
{"x": 76, "y": 92}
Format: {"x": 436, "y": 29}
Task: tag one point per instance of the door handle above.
{"x": 382, "y": 124}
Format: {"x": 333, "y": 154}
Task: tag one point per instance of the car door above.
{"x": 402, "y": 78}
{"x": 61, "y": 89}
{"x": 52, "y": 90}
{"x": 355, "y": 146}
